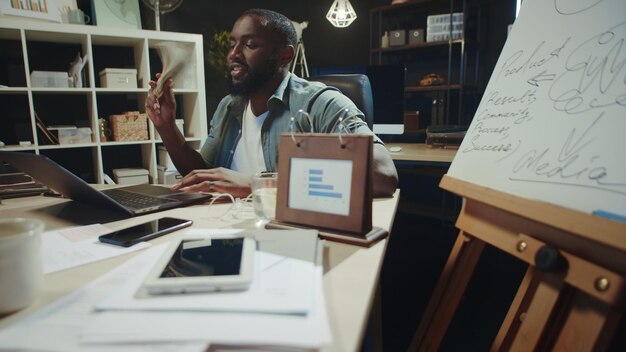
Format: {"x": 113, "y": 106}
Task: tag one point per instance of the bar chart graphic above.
{"x": 49, "y": 10}
{"x": 320, "y": 185}
{"x": 30, "y": 5}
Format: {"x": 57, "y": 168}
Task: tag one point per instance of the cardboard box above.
{"x": 444, "y": 28}
{"x": 68, "y": 134}
{"x": 130, "y": 176}
{"x": 124, "y": 78}
{"x": 430, "y": 37}
{"x": 411, "y": 121}
{"x": 168, "y": 176}
{"x": 397, "y": 37}
{"x": 75, "y": 135}
{"x": 416, "y": 36}
{"x": 164, "y": 158}
{"x": 49, "y": 79}
{"x": 180, "y": 124}
{"x": 457, "y": 17}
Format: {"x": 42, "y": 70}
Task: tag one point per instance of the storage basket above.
{"x": 130, "y": 126}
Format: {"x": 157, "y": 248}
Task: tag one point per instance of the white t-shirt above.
{"x": 248, "y": 158}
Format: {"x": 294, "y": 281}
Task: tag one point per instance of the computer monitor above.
{"x": 387, "y": 83}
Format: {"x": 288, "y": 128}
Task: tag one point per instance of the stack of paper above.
{"x": 66, "y": 248}
{"x": 284, "y": 308}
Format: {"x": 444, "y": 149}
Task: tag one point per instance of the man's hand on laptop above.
{"x": 216, "y": 180}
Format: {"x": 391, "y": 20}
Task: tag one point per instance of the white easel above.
{"x": 300, "y": 59}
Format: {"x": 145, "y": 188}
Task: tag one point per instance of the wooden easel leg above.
{"x": 531, "y": 314}
{"x": 294, "y": 62}
{"x": 589, "y": 325}
{"x": 547, "y": 315}
{"x": 447, "y": 294}
{"x": 511, "y": 323}
{"x": 537, "y": 318}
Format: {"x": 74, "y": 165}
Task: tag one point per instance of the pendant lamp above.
{"x": 341, "y": 13}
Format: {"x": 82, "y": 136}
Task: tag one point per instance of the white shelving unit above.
{"x": 28, "y": 46}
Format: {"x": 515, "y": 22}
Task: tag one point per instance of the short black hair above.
{"x": 277, "y": 24}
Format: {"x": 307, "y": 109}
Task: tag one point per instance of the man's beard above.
{"x": 254, "y": 80}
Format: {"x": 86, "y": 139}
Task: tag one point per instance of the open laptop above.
{"x": 133, "y": 200}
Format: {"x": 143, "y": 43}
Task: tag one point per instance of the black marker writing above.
{"x": 595, "y": 74}
{"x": 496, "y": 99}
{"x": 518, "y": 117}
{"x": 569, "y": 7}
{"x": 569, "y": 167}
{"x": 478, "y": 146}
{"x": 515, "y": 64}
{"x": 541, "y": 77}
{"x": 483, "y": 128}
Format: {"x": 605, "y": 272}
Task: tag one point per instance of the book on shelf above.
{"x": 48, "y": 136}
{"x": 446, "y": 136}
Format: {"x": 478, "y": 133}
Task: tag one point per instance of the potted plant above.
{"x": 218, "y": 51}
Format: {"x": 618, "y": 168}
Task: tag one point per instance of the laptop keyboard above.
{"x": 135, "y": 200}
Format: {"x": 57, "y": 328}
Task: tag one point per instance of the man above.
{"x": 244, "y": 132}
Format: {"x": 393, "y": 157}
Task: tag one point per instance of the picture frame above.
{"x": 325, "y": 182}
{"x": 32, "y": 9}
{"x": 116, "y": 13}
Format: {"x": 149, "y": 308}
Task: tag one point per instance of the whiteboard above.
{"x": 551, "y": 125}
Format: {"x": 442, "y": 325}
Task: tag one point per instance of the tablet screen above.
{"x": 206, "y": 257}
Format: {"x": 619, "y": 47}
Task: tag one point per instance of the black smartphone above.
{"x": 144, "y": 232}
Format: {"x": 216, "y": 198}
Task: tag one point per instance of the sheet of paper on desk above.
{"x": 281, "y": 285}
{"x": 67, "y": 248}
{"x": 58, "y": 326}
{"x": 72, "y": 324}
{"x": 293, "y": 331}
{"x": 305, "y": 331}
{"x": 310, "y": 331}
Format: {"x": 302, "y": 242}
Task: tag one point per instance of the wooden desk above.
{"x": 420, "y": 169}
{"x": 351, "y": 273}
{"x": 420, "y": 152}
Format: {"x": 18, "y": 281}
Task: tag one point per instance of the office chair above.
{"x": 357, "y": 87}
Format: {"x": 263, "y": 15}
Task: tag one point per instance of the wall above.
{"x": 326, "y": 46}
{"x": 347, "y": 45}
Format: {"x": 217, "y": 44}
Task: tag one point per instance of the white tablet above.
{"x": 200, "y": 265}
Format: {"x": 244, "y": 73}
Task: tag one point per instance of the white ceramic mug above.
{"x": 264, "y": 186}
{"x": 76, "y": 16}
{"x": 21, "y": 268}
